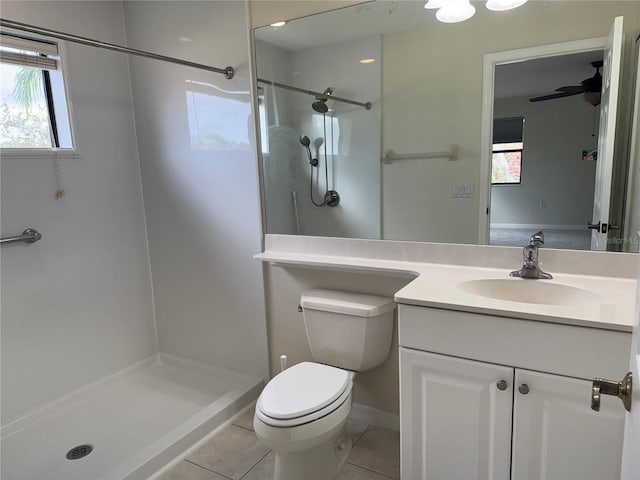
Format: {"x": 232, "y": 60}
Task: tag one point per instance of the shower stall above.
{"x": 135, "y": 325}
{"x": 320, "y": 130}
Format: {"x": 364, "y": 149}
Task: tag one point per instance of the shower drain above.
{"x": 80, "y": 451}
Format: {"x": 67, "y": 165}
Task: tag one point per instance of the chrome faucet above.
{"x": 531, "y": 268}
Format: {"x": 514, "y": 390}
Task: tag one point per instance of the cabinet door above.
{"x": 556, "y": 435}
{"x": 455, "y": 423}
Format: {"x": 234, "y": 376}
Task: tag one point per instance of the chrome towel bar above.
{"x": 30, "y": 235}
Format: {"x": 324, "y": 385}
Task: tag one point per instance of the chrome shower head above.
{"x": 304, "y": 140}
{"x": 320, "y": 106}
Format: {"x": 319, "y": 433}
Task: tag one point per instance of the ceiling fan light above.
{"x": 456, "y": 11}
{"x": 501, "y": 5}
{"x": 592, "y": 98}
{"x": 435, "y": 4}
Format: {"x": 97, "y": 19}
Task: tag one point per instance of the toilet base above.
{"x": 322, "y": 462}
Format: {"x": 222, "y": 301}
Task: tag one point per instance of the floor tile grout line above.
{"x": 372, "y": 471}
{"x": 245, "y": 428}
{"x": 255, "y": 464}
{"x": 207, "y": 469}
{"x": 361, "y": 435}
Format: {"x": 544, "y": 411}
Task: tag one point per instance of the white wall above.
{"x": 555, "y": 134}
{"x": 77, "y": 305}
{"x": 354, "y": 167}
{"x": 202, "y": 205}
{"x": 435, "y": 101}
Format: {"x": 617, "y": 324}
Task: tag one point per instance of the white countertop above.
{"x": 437, "y": 285}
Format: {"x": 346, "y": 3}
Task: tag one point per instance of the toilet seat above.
{"x": 303, "y": 393}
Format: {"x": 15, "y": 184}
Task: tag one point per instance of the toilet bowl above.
{"x": 302, "y": 412}
{"x": 302, "y": 415}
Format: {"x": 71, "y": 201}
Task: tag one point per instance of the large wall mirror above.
{"x": 379, "y": 121}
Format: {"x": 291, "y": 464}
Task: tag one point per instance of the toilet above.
{"x": 302, "y": 412}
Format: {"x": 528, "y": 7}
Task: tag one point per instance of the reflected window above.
{"x": 217, "y": 121}
{"x": 506, "y": 158}
{"x": 32, "y": 95}
{"x": 262, "y": 113}
{"x": 327, "y": 127}
{"x": 506, "y": 163}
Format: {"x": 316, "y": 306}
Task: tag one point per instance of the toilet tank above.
{"x": 348, "y": 330}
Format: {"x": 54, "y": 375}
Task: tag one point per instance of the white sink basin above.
{"x": 529, "y": 291}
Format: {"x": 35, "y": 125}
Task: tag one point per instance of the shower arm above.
{"x": 318, "y": 95}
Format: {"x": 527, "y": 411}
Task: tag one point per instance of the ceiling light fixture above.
{"x": 278, "y": 24}
{"x": 455, "y": 11}
{"x": 367, "y": 60}
{"x": 501, "y": 5}
{"x": 435, "y": 4}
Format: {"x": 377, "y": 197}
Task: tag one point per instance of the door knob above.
{"x": 621, "y": 389}
{"x": 502, "y": 385}
{"x": 523, "y": 389}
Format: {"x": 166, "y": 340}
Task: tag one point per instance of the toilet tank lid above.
{"x": 347, "y": 303}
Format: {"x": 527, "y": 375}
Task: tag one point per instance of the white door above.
{"x": 631, "y": 450}
{"x": 606, "y": 136}
{"x": 556, "y": 435}
{"x": 455, "y": 418}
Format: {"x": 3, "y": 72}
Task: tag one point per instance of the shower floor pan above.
{"x": 137, "y": 421}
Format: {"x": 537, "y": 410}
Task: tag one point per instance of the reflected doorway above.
{"x": 544, "y": 149}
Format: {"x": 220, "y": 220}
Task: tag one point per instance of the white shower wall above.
{"x": 76, "y": 306}
{"x": 79, "y": 305}
{"x": 197, "y": 156}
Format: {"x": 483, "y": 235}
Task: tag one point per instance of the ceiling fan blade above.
{"x": 554, "y": 96}
{"x": 573, "y": 89}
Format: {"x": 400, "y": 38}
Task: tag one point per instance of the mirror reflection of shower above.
{"x": 331, "y": 197}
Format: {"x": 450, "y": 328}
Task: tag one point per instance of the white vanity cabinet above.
{"x": 454, "y": 421}
{"x": 473, "y": 406}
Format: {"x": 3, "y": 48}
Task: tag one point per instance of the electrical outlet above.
{"x": 462, "y": 190}
{"x": 543, "y": 204}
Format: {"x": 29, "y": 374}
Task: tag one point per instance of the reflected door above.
{"x": 606, "y": 140}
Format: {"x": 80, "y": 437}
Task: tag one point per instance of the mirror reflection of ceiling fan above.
{"x": 590, "y": 88}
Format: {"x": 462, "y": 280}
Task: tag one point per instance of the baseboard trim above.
{"x": 375, "y": 417}
{"x": 537, "y": 226}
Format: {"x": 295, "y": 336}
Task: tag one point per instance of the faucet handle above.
{"x": 537, "y": 239}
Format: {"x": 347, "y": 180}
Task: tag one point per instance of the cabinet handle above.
{"x": 502, "y": 385}
{"x": 621, "y": 389}
{"x": 523, "y": 389}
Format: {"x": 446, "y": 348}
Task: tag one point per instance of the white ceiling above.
{"x": 535, "y": 77}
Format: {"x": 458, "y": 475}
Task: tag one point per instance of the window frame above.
{"x": 55, "y": 151}
{"x": 512, "y": 150}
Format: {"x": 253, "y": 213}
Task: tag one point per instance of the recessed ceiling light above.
{"x": 278, "y": 24}
{"x": 367, "y": 60}
{"x": 185, "y": 39}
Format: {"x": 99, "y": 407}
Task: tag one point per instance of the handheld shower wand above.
{"x": 304, "y": 140}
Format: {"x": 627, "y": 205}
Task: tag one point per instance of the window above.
{"x": 33, "y": 106}
{"x": 506, "y": 158}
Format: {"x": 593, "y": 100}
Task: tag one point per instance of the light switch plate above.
{"x": 462, "y": 190}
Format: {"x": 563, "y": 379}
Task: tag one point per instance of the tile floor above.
{"x": 234, "y": 453}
